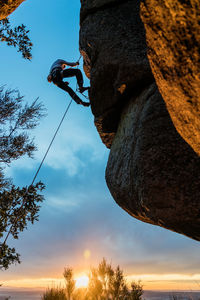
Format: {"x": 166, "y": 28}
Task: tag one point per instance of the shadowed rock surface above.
{"x": 115, "y": 59}
{"x": 173, "y": 37}
{"x": 152, "y": 172}
{"x": 8, "y": 6}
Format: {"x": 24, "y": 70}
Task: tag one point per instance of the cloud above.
{"x": 74, "y": 146}
{"x": 80, "y": 214}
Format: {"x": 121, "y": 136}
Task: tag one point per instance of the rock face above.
{"x": 8, "y": 6}
{"x": 112, "y": 42}
{"x": 173, "y": 37}
{"x": 152, "y": 172}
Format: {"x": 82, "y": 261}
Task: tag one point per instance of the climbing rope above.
{"x": 77, "y": 90}
{"x": 79, "y": 58}
{"x": 36, "y": 174}
{"x": 77, "y": 68}
{"x": 38, "y": 170}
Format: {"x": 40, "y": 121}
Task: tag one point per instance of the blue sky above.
{"x": 79, "y": 213}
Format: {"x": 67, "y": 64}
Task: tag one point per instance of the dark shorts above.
{"x": 56, "y": 75}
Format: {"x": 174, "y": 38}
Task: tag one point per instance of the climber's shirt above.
{"x": 60, "y": 64}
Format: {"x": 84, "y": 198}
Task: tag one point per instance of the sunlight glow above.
{"x": 149, "y": 281}
{"x": 82, "y": 281}
{"x": 87, "y": 254}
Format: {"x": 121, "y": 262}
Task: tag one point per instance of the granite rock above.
{"x": 173, "y": 38}
{"x": 7, "y": 7}
{"x": 112, "y": 42}
{"x": 153, "y": 171}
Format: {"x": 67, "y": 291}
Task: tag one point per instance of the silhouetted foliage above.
{"x": 108, "y": 283}
{"x": 54, "y": 294}
{"x": 17, "y": 37}
{"x": 136, "y": 291}
{"x": 18, "y": 206}
{"x": 105, "y": 283}
{"x": 69, "y": 281}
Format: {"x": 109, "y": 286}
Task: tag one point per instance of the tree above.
{"x": 80, "y": 294}
{"x": 136, "y": 291}
{"x": 108, "y": 283}
{"x": 118, "y": 288}
{"x": 69, "y": 281}
{"x": 95, "y": 287}
{"x": 54, "y": 294}
{"x": 17, "y": 37}
{"x": 18, "y": 206}
{"x": 105, "y": 283}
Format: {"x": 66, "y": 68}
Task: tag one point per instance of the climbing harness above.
{"x": 36, "y": 174}
{"x": 52, "y": 141}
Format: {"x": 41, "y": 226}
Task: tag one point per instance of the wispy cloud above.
{"x": 72, "y": 149}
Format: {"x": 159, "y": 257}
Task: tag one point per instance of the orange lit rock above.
{"x": 8, "y": 6}
{"x": 173, "y": 37}
{"x": 152, "y": 172}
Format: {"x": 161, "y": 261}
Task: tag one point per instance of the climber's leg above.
{"x": 57, "y": 80}
{"x": 79, "y": 77}
{"x": 64, "y": 86}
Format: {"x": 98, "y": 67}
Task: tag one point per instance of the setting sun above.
{"x": 82, "y": 281}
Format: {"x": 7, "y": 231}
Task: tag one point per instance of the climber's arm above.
{"x": 70, "y": 64}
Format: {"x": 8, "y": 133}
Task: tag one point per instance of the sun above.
{"x": 82, "y": 281}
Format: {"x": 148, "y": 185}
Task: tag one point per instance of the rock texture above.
{"x": 8, "y": 6}
{"x": 152, "y": 172}
{"x": 173, "y": 37}
{"x": 112, "y": 42}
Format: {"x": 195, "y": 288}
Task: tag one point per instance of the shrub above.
{"x": 104, "y": 283}
{"x": 54, "y": 294}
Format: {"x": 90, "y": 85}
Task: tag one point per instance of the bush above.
{"x": 104, "y": 283}
{"x": 54, "y": 294}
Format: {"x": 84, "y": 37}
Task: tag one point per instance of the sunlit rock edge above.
{"x": 152, "y": 172}
{"x": 8, "y": 6}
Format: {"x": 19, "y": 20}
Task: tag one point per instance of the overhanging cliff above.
{"x": 173, "y": 38}
{"x": 152, "y": 172}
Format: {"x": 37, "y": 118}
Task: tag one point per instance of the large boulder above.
{"x": 112, "y": 42}
{"x": 152, "y": 172}
{"x": 8, "y": 6}
{"x": 173, "y": 38}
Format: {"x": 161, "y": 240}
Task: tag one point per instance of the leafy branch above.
{"x": 18, "y": 206}
{"x": 17, "y": 37}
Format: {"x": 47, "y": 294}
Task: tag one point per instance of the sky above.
{"x": 79, "y": 222}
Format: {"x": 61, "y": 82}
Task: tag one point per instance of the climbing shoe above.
{"x": 85, "y": 103}
{"x": 83, "y": 89}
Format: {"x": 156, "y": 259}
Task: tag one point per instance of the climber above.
{"x": 58, "y": 72}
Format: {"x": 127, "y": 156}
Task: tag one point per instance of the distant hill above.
{"x": 185, "y": 295}
{"x": 33, "y": 294}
